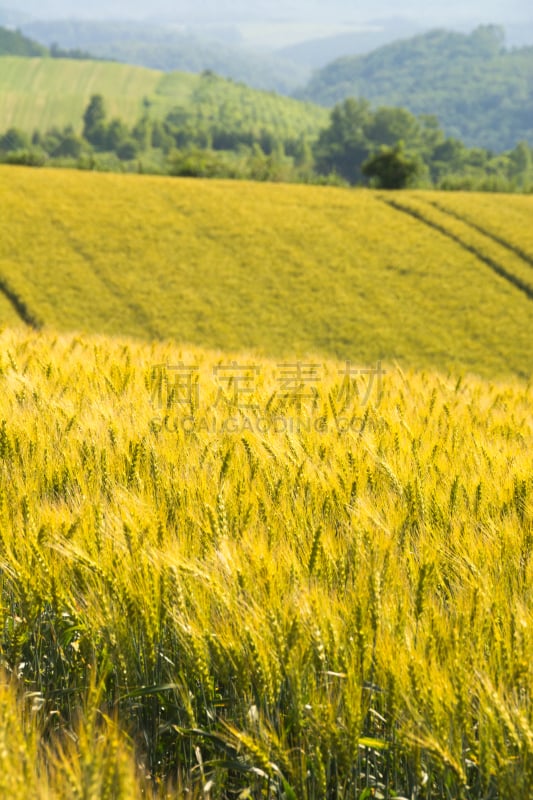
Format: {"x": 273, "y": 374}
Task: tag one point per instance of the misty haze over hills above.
{"x": 275, "y": 25}
{"x": 271, "y": 45}
{"x": 339, "y": 12}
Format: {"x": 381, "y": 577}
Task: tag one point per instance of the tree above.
{"x": 14, "y": 139}
{"x": 447, "y": 157}
{"x": 117, "y": 132}
{"x": 94, "y": 120}
{"x": 521, "y": 163}
{"x": 197, "y": 163}
{"x": 343, "y": 146}
{"x": 302, "y": 153}
{"x": 51, "y": 140}
{"x": 70, "y": 146}
{"x": 142, "y": 132}
{"x": 392, "y": 167}
{"x": 128, "y": 149}
{"x": 390, "y": 125}
{"x": 161, "y": 138}
{"x": 257, "y": 166}
{"x": 488, "y": 40}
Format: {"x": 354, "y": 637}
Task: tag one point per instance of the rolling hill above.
{"x": 425, "y": 279}
{"x": 45, "y": 92}
{"x": 173, "y": 47}
{"x": 41, "y": 93}
{"x": 480, "y": 92}
{"x": 14, "y": 43}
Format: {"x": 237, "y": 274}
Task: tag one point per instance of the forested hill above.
{"x": 481, "y": 92}
{"x": 14, "y": 43}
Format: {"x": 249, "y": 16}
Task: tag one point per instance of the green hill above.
{"x": 44, "y": 92}
{"x": 421, "y": 278}
{"x": 480, "y": 91}
{"x": 16, "y": 44}
{"x": 168, "y": 49}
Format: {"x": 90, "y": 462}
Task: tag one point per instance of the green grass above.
{"x": 43, "y": 92}
{"x": 278, "y": 269}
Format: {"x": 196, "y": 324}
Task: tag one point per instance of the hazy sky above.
{"x": 219, "y": 11}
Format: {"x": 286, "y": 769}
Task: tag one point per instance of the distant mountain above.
{"x": 318, "y": 52}
{"x": 481, "y": 92}
{"x": 170, "y": 49}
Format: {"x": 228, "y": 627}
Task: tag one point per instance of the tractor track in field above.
{"x": 496, "y": 267}
{"x": 137, "y": 311}
{"x": 495, "y": 238}
{"x": 23, "y": 312}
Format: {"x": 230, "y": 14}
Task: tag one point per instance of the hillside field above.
{"x": 422, "y": 279}
{"x": 45, "y": 92}
{"x": 260, "y": 593}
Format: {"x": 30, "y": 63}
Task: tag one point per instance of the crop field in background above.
{"x": 45, "y": 92}
{"x": 422, "y": 279}
{"x": 245, "y": 587}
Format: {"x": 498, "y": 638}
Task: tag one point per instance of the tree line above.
{"x": 387, "y": 147}
{"x": 14, "y": 43}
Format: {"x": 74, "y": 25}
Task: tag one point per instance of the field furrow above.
{"x": 279, "y": 269}
{"x": 504, "y": 261}
{"x": 10, "y": 315}
{"x": 14, "y": 304}
{"x": 485, "y": 231}
{"x": 509, "y": 219}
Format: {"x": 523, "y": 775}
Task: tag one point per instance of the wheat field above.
{"x": 287, "y": 270}
{"x": 223, "y": 575}
{"x": 266, "y": 517}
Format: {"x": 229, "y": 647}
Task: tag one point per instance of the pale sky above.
{"x": 219, "y": 11}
